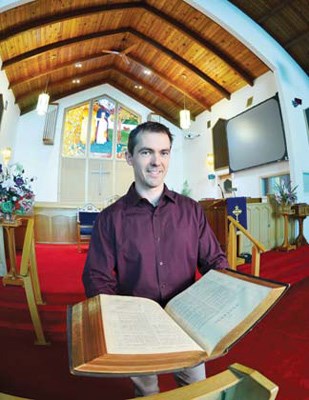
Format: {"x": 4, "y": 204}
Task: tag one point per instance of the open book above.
{"x": 123, "y": 335}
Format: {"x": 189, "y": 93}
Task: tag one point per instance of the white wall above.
{"x": 10, "y": 116}
{"x": 291, "y": 82}
{"x": 42, "y": 160}
{"x": 248, "y": 182}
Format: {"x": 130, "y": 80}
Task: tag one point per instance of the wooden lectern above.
{"x": 237, "y": 383}
{"x": 216, "y": 213}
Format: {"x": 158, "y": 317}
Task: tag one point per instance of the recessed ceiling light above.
{"x": 139, "y": 87}
{"x": 76, "y": 81}
{"x": 78, "y": 65}
{"x": 147, "y": 72}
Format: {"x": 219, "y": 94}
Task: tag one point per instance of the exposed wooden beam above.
{"x": 171, "y": 83}
{"x": 273, "y": 11}
{"x": 150, "y": 88}
{"x": 54, "y": 96}
{"x": 13, "y": 84}
{"x": 62, "y": 17}
{"x": 203, "y": 42}
{"x": 151, "y": 107}
{"x": 95, "y": 35}
{"x": 182, "y": 62}
{"x": 97, "y": 71}
{"x": 299, "y": 37}
{"x": 62, "y": 43}
{"x": 58, "y": 67}
{"x": 68, "y": 15}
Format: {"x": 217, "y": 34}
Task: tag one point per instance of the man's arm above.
{"x": 99, "y": 272}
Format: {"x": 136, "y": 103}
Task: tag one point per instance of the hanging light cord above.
{"x": 47, "y": 82}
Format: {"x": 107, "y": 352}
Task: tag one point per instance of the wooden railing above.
{"x": 257, "y": 247}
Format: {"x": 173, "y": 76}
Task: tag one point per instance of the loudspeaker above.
{"x": 220, "y": 149}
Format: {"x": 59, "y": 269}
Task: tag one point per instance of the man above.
{"x": 150, "y": 241}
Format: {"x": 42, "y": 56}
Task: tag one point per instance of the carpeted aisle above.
{"x": 278, "y": 346}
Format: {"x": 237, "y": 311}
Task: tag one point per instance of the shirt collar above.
{"x": 133, "y": 198}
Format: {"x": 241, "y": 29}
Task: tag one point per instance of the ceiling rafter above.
{"x": 14, "y": 84}
{"x": 297, "y": 39}
{"x": 110, "y": 69}
{"x": 173, "y": 84}
{"x": 61, "y": 17}
{"x": 274, "y": 11}
{"x": 151, "y": 89}
{"x": 286, "y": 21}
{"x": 66, "y": 42}
{"x": 48, "y": 42}
{"x": 80, "y": 12}
{"x": 141, "y": 100}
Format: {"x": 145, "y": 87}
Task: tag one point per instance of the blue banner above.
{"x": 237, "y": 208}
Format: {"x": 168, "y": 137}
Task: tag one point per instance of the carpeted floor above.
{"x": 278, "y": 346}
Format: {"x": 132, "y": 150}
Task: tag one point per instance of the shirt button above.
{"x": 161, "y": 263}
{"x": 163, "y": 286}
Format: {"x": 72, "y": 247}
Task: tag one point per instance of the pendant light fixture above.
{"x": 184, "y": 115}
{"x": 43, "y": 102}
{"x": 185, "y": 118}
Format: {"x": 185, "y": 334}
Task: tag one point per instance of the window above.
{"x": 94, "y": 142}
{"x": 269, "y": 184}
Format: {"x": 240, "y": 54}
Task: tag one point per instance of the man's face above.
{"x": 150, "y": 159}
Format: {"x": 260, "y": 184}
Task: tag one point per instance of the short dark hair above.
{"x": 155, "y": 127}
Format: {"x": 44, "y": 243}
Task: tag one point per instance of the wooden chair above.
{"x": 85, "y": 220}
{"x": 237, "y": 383}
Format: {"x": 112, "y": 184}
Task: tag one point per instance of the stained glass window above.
{"x": 105, "y": 121}
{"x": 95, "y": 136}
{"x": 75, "y": 131}
{"x": 102, "y": 128}
{"x": 126, "y": 121}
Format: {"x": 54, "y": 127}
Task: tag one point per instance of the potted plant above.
{"x": 285, "y": 196}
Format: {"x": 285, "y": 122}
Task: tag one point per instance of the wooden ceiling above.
{"x": 168, "y": 52}
{"x": 287, "y": 21}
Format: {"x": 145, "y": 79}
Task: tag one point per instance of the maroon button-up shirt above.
{"x": 141, "y": 250}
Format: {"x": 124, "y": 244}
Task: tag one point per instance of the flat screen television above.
{"x": 256, "y": 137}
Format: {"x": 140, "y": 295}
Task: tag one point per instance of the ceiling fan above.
{"x": 121, "y": 53}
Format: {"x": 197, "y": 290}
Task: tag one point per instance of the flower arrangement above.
{"x": 286, "y": 195}
{"x": 16, "y": 195}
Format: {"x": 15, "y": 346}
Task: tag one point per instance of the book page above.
{"x": 135, "y": 325}
{"x": 214, "y": 305}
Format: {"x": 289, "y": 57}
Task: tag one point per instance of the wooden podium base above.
{"x": 287, "y": 247}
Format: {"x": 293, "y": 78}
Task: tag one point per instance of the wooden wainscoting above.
{"x": 55, "y": 223}
{"x": 264, "y": 223}
{"x": 266, "y": 226}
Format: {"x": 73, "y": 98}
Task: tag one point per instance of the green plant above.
{"x": 286, "y": 194}
{"x": 186, "y": 191}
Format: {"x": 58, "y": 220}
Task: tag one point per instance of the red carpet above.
{"x": 278, "y": 347}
